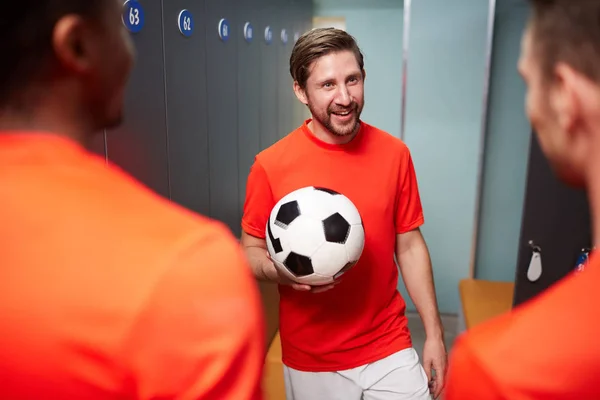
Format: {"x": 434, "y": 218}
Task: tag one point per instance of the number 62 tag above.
{"x": 186, "y": 23}
{"x": 133, "y": 16}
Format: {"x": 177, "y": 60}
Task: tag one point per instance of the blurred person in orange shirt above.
{"x": 107, "y": 290}
{"x": 548, "y": 347}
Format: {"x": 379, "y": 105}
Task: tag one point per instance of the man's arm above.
{"x": 258, "y": 258}
{"x": 200, "y": 333}
{"x": 257, "y": 208}
{"x": 415, "y": 265}
{"x": 263, "y": 268}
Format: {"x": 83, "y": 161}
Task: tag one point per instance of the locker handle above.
{"x": 534, "y": 247}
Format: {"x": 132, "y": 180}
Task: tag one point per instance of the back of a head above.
{"x": 559, "y": 63}
{"x": 567, "y": 31}
{"x": 72, "y": 51}
{"x": 316, "y": 43}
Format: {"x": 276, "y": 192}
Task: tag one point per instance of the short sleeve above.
{"x": 409, "y": 212}
{"x": 259, "y": 202}
{"x": 200, "y": 335}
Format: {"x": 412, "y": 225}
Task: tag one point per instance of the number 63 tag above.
{"x": 133, "y": 16}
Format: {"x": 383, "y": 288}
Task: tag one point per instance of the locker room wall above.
{"x": 187, "y": 108}
{"x": 139, "y": 145}
{"x": 199, "y": 108}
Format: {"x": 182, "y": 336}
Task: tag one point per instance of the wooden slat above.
{"x": 482, "y": 300}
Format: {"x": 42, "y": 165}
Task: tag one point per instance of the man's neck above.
{"x": 44, "y": 120}
{"x": 324, "y": 135}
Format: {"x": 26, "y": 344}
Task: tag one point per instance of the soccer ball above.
{"x": 314, "y": 235}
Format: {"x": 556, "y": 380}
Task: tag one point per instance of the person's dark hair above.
{"x": 26, "y": 38}
{"x": 316, "y": 43}
{"x": 567, "y": 31}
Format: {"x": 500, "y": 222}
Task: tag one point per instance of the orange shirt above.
{"x": 108, "y": 291}
{"x": 362, "y": 319}
{"x": 547, "y": 348}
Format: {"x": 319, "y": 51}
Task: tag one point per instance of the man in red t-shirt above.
{"x": 548, "y": 348}
{"x": 107, "y": 291}
{"x": 349, "y": 339}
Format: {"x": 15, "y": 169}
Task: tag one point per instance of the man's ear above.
{"x": 70, "y": 44}
{"x": 300, "y": 93}
{"x": 566, "y": 97}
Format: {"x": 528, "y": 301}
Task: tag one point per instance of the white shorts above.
{"x": 397, "y": 377}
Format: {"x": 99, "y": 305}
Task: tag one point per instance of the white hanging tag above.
{"x": 535, "y": 267}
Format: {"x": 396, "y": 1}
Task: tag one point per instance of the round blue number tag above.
{"x": 268, "y": 35}
{"x": 248, "y": 32}
{"x": 186, "y": 23}
{"x": 284, "y": 36}
{"x": 133, "y": 16}
{"x": 224, "y": 29}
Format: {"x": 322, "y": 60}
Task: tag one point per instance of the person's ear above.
{"x": 71, "y": 44}
{"x": 300, "y": 93}
{"x": 567, "y": 97}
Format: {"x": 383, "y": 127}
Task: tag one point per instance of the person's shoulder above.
{"x": 280, "y": 149}
{"x": 205, "y": 312}
{"x": 384, "y": 139}
{"x": 553, "y": 328}
{"x": 147, "y": 218}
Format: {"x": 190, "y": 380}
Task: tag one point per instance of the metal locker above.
{"x": 248, "y": 88}
{"x": 186, "y": 99}
{"x": 268, "y": 97}
{"x": 139, "y": 145}
{"x": 97, "y": 144}
{"x": 222, "y": 27}
{"x": 556, "y": 221}
{"x": 285, "y": 41}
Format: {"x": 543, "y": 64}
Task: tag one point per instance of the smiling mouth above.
{"x": 342, "y": 113}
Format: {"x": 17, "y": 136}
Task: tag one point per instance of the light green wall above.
{"x": 506, "y": 152}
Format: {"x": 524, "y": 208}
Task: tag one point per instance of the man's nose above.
{"x": 343, "y": 97}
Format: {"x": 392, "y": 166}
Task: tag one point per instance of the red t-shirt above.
{"x": 547, "y": 348}
{"x": 362, "y": 319}
{"x": 108, "y": 291}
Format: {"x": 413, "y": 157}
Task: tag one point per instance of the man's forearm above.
{"x": 415, "y": 266}
{"x": 257, "y": 258}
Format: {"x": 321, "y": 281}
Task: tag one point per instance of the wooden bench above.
{"x": 273, "y": 382}
{"x": 482, "y": 299}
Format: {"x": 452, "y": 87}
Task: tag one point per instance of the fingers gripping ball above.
{"x": 314, "y": 235}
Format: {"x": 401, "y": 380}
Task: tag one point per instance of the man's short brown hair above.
{"x": 317, "y": 43}
{"x": 567, "y": 31}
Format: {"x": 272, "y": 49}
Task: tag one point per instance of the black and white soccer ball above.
{"x": 314, "y": 235}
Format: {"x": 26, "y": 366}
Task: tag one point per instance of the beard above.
{"x": 324, "y": 117}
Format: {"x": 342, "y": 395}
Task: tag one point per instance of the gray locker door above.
{"x": 285, "y": 10}
{"x": 185, "y": 69}
{"x": 222, "y": 113}
{"x": 248, "y": 69}
{"x": 297, "y": 24}
{"x": 97, "y": 144}
{"x": 556, "y": 218}
{"x": 268, "y": 96}
{"x": 302, "y": 21}
{"x": 139, "y": 145}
